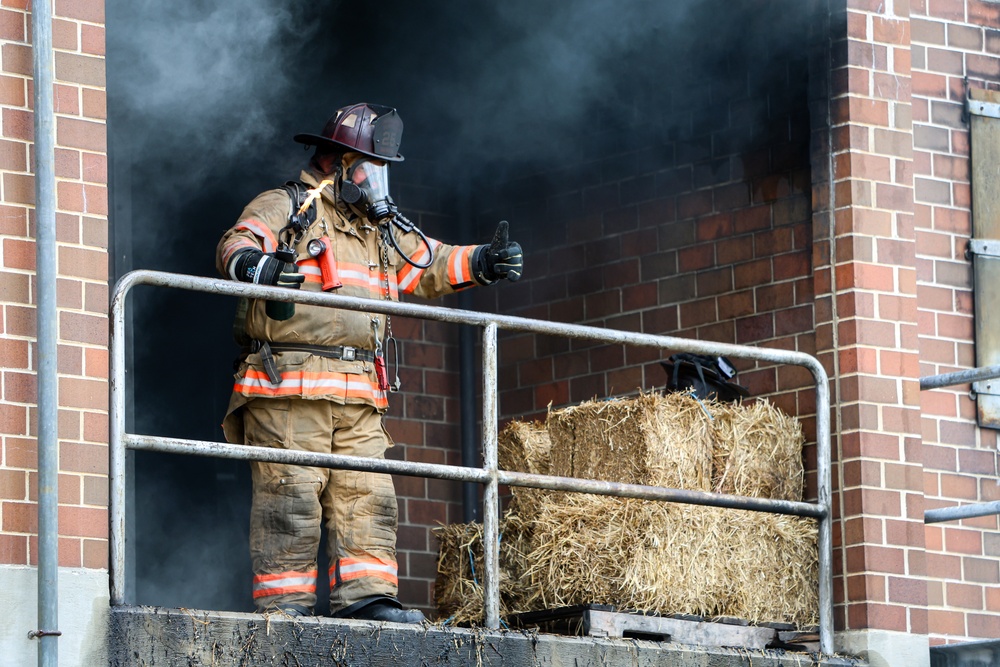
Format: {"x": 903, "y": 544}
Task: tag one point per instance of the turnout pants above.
{"x": 293, "y": 504}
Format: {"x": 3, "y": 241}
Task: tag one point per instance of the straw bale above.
{"x": 639, "y": 555}
{"x": 660, "y": 440}
{"x": 758, "y": 451}
{"x": 458, "y": 588}
{"x": 672, "y": 559}
{"x": 560, "y": 549}
{"x": 525, "y": 447}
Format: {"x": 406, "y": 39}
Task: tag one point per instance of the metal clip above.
{"x": 395, "y": 385}
{"x": 349, "y": 353}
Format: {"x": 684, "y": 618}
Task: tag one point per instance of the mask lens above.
{"x": 372, "y": 178}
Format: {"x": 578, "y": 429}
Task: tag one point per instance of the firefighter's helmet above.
{"x": 371, "y": 129}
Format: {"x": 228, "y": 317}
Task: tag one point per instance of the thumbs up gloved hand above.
{"x": 498, "y": 260}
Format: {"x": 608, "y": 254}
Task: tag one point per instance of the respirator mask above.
{"x": 365, "y": 189}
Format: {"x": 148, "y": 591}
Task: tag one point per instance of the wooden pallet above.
{"x": 604, "y": 621}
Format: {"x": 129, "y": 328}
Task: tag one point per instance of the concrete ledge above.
{"x": 148, "y": 636}
{"x": 83, "y": 616}
{"x": 883, "y": 648}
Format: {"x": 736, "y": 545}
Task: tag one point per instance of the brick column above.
{"x": 867, "y": 333}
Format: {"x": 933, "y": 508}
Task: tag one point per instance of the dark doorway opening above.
{"x": 572, "y": 120}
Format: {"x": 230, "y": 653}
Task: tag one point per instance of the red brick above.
{"x": 92, "y": 41}
{"x": 925, "y": 31}
{"x": 83, "y": 134}
{"x": 964, "y": 596}
{"x": 19, "y": 189}
{"x": 16, "y": 59}
{"x": 64, "y": 35}
{"x": 19, "y": 517}
{"x": 960, "y": 541}
{"x": 91, "y": 329}
{"x": 13, "y": 155}
{"x": 13, "y": 549}
{"x": 95, "y": 554}
{"x": 91, "y": 11}
{"x": 69, "y": 552}
{"x": 946, "y": 622}
{"x": 83, "y": 521}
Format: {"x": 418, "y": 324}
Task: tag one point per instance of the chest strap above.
{"x": 339, "y": 352}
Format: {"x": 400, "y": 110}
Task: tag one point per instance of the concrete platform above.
{"x": 160, "y": 637}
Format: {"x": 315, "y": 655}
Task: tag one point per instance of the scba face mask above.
{"x": 366, "y": 190}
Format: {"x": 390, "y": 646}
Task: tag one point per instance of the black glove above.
{"x": 498, "y": 260}
{"x": 253, "y": 266}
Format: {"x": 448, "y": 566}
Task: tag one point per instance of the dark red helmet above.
{"x": 371, "y": 129}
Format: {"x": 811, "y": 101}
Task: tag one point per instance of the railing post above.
{"x": 116, "y": 464}
{"x": 491, "y": 496}
{"x": 824, "y": 485}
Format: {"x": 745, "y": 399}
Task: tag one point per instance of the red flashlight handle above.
{"x": 327, "y": 263}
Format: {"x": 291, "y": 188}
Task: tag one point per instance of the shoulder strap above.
{"x": 297, "y": 194}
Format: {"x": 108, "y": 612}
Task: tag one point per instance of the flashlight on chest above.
{"x": 321, "y": 250}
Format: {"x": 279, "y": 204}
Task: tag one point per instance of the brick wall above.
{"x": 697, "y": 224}
{"x": 952, "y": 40}
{"x": 82, "y": 238}
{"x": 872, "y": 324}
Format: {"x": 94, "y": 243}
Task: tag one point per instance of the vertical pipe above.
{"x": 825, "y": 492}
{"x": 116, "y": 469}
{"x": 47, "y": 332}
{"x": 491, "y": 497}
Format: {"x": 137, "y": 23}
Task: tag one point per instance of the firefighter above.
{"x": 315, "y": 379}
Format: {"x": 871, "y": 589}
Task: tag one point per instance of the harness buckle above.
{"x": 349, "y": 353}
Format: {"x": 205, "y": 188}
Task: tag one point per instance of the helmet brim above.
{"x": 320, "y": 140}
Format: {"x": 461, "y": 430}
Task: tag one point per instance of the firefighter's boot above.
{"x": 381, "y": 608}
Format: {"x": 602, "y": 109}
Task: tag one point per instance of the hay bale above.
{"x": 672, "y": 559}
{"x": 563, "y": 549}
{"x": 758, "y": 451}
{"x": 458, "y": 587}
{"x": 525, "y": 447}
{"x": 660, "y": 440}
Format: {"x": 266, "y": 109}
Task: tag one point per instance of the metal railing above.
{"x": 942, "y": 514}
{"x": 489, "y": 475}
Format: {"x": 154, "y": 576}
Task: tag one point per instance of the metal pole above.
{"x": 46, "y": 269}
{"x": 151, "y": 443}
{"x": 491, "y": 495}
{"x": 961, "y": 512}
{"x": 116, "y": 463}
{"x": 824, "y": 485}
{"x": 959, "y": 377}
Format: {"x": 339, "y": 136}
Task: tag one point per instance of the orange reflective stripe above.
{"x": 409, "y": 276}
{"x": 267, "y": 585}
{"x": 260, "y": 230}
{"x": 239, "y": 244}
{"x": 459, "y": 272}
{"x": 354, "y": 568}
{"x": 310, "y": 269}
{"x": 305, "y": 383}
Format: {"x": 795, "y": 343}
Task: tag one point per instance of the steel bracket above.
{"x": 982, "y": 108}
{"x": 984, "y": 247}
